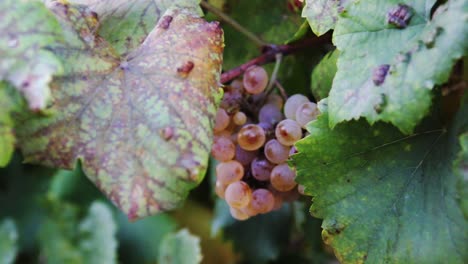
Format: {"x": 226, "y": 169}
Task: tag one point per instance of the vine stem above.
{"x": 270, "y": 53}
{"x": 228, "y": 20}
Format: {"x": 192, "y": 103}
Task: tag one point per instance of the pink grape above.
{"x": 255, "y": 79}
{"x": 282, "y": 178}
{"x": 229, "y": 171}
{"x": 251, "y": 137}
{"x": 291, "y": 105}
{"x": 238, "y": 194}
{"x": 288, "y": 132}
{"x": 276, "y": 152}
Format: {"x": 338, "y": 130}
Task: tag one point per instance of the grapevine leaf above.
{"x": 8, "y": 241}
{"x": 7, "y": 138}
{"x": 461, "y": 169}
{"x": 260, "y": 238}
{"x": 66, "y": 239}
{"x": 180, "y": 248}
{"x": 322, "y": 15}
{"x": 323, "y": 74}
{"x": 386, "y": 71}
{"x": 141, "y": 123}
{"x": 26, "y": 30}
{"x": 97, "y": 235}
{"x": 384, "y": 196}
{"x": 126, "y": 23}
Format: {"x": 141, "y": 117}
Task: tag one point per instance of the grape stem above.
{"x": 233, "y": 23}
{"x": 270, "y": 52}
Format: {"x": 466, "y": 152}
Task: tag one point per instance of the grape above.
{"x": 238, "y": 194}
{"x": 269, "y": 130}
{"x": 282, "y": 178}
{"x": 275, "y": 100}
{"x": 292, "y": 104}
{"x": 261, "y": 169}
{"x": 221, "y": 121}
{"x": 255, "y": 80}
{"x": 270, "y": 114}
{"x": 292, "y": 151}
{"x": 230, "y": 171}
{"x": 262, "y": 201}
{"x": 220, "y": 189}
{"x": 237, "y": 85}
{"x": 238, "y": 214}
{"x": 306, "y": 112}
{"x": 239, "y": 118}
{"x": 223, "y": 149}
{"x": 249, "y": 210}
{"x": 251, "y": 137}
{"x": 276, "y": 152}
{"x": 245, "y": 157}
{"x": 232, "y": 99}
{"x": 277, "y": 195}
{"x": 288, "y": 132}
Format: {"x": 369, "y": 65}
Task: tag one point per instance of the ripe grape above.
{"x": 276, "y": 152}
{"x": 275, "y": 100}
{"x": 238, "y": 214}
{"x": 301, "y": 189}
{"x": 270, "y": 114}
{"x": 249, "y": 210}
{"x": 288, "y": 132}
{"x": 223, "y": 149}
{"x": 230, "y": 171}
{"x": 282, "y": 178}
{"x": 220, "y": 189}
{"x": 245, "y": 157}
{"x": 239, "y": 118}
{"x": 261, "y": 169}
{"x": 255, "y": 80}
{"x": 262, "y": 201}
{"x": 238, "y": 194}
{"x": 221, "y": 121}
{"x": 251, "y": 137}
{"x": 306, "y": 112}
{"x": 291, "y": 105}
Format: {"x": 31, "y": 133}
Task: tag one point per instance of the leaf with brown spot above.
{"x": 26, "y": 29}
{"x": 142, "y": 132}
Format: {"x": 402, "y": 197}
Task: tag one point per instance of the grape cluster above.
{"x": 253, "y": 141}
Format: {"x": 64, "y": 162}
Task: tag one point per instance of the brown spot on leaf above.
{"x": 185, "y": 69}
{"x": 165, "y": 22}
{"x": 167, "y": 133}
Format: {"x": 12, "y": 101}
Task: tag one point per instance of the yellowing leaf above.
{"x": 140, "y": 122}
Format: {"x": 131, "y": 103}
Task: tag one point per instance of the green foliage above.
{"x": 8, "y": 241}
{"x": 125, "y": 93}
{"x": 108, "y": 110}
{"x": 420, "y": 56}
{"x": 323, "y": 74}
{"x": 383, "y": 195}
{"x": 27, "y": 29}
{"x": 66, "y": 239}
{"x": 180, "y": 248}
{"x": 322, "y": 15}
{"x": 260, "y": 239}
{"x": 461, "y": 170}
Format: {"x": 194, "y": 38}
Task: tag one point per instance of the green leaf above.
{"x": 323, "y": 74}
{"x": 322, "y": 15}
{"x": 461, "y": 169}
{"x": 384, "y": 196}
{"x": 180, "y": 248}
{"x": 140, "y": 123}
{"x": 419, "y": 56}
{"x": 65, "y": 239}
{"x": 268, "y": 19}
{"x": 259, "y": 239}
{"x": 97, "y": 235}
{"x": 7, "y": 137}
{"x": 27, "y": 29}
{"x": 8, "y": 241}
